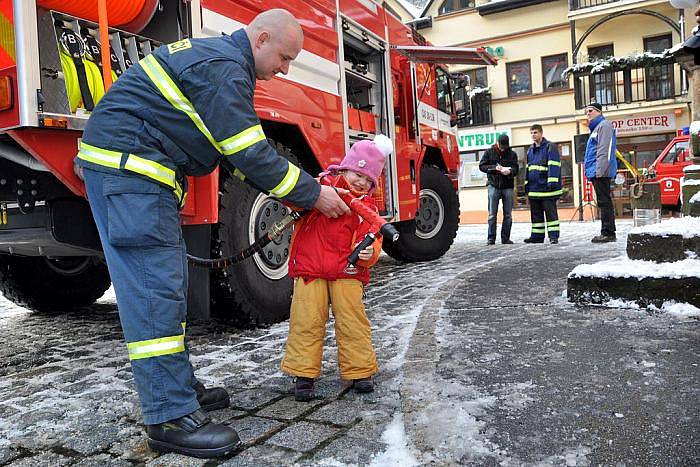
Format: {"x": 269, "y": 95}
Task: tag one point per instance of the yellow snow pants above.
{"x": 307, "y": 329}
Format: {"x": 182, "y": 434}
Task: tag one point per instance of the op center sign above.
{"x": 474, "y": 140}
{"x": 638, "y": 124}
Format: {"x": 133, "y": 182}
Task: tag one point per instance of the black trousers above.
{"x": 603, "y": 196}
{"x": 539, "y": 209}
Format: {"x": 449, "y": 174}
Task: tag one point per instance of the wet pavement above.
{"x": 482, "y": 362}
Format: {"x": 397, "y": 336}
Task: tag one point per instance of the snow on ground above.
{"x": 622, "y": 266}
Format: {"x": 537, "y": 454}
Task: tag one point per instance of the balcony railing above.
{"x": 637, "y": 84}
{"x": 474, "y": 110}
{"x": 581, "y": 4}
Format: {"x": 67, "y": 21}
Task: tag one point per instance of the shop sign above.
{"x": 638, "y": 124}
{"x": 473, "y": 140}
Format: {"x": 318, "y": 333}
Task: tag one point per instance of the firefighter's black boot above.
{"x": 213, "y": 398}
{"x": 303, "y": 389}
{"x": 193, "y": 435}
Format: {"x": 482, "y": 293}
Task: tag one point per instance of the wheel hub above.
{"x": 431, "y": 214}
{"x": 271, "y": 260}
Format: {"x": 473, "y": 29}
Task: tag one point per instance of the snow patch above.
{"x": 687, "y": 226}
{"x": 622, "y": 266}
{"x": 695, "y": 128}
{"x": 398, "y": 453}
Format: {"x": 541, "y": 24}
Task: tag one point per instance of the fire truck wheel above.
{"x": 432, "y": 232}
{"x": 53, "y": 285}
{"x": 256, "y": 291}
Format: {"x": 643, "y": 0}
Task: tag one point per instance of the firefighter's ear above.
{"x": 263, "y": 38}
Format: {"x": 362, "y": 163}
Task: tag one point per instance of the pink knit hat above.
{"x": 367, "y": 158}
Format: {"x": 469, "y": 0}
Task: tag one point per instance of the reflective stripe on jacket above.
{"x": 186, "y": 107}
{"x": 543, "y": 178}
{"x": 600, "y": 158}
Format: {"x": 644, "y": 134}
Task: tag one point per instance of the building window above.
{"x": 602, "y": 84}
{"x": 476, "y": 78}
{"x": 552, "y": 67}
{"x": 660, "y": 80}
{"x": 519, "y": 82}
{"x": 448, "y": 6}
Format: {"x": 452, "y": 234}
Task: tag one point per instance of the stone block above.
{"x": 252, "y": 429}
{"x": 253, "y": 398}
{"x": 348, "y": 451}
{"x": 303, "y": 436}
{"x": 343, "y": 412}
{"x": 643, "y": 291}
{"x": 661, "y": 248}
{"x": 263, "y": 456}
{"x": 287, "y": 408}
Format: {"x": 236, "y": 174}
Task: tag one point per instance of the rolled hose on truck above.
{"x": 130, "y": 15}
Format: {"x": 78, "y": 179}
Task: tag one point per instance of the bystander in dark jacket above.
{"x": 500, "y": 163}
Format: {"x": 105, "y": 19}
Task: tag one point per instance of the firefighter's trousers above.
{"x": 307, "y": 329}
{"x": 139, "y": 227}
{"x": 541, "y": 208}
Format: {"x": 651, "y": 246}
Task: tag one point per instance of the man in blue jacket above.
{"x": 182, "y": 110}
{"x": 543, "y": 187}
{"x": 600, "y": 166}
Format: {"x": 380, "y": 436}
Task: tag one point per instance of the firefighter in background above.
{"x": 317, "y": 262}
{"x": 181, "y": 111}
{"x": 543, "y": 187}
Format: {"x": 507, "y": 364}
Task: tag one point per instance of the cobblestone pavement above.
{"x": 482, "y": 363}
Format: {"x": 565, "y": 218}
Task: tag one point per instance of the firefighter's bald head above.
{"x": 276, "y": 39}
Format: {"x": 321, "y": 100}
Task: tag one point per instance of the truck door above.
{"x": 669, "y": 170}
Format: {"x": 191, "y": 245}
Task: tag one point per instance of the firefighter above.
{"x": 181, "y": 111}
{"x": 543, "y": 187}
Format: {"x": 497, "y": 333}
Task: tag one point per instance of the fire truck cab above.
{"x": 361, "y": 72}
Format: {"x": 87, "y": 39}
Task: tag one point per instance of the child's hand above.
{"x": 367, "y": 253}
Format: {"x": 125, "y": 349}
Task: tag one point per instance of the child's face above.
{"x": 357, "y": 181}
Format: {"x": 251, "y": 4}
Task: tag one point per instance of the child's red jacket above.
{"x": 321, "y": 245}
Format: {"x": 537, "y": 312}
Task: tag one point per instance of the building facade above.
{"x": 553, "y": 58}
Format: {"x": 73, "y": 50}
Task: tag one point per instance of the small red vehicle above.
{"x": 668, "y": 168}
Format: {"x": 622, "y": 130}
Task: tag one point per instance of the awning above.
{"x": 446, "y": 55}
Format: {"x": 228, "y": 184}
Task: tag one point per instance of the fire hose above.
{"x": 378, "y": 226}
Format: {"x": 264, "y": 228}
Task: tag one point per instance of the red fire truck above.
{"x": 361, "y": 72}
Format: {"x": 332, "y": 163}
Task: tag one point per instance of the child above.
{"x": 317, "y": 263}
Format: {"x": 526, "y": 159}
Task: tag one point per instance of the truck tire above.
{"x": 256, "y": 291}
{"x": 53, "y": 285}
{"x": 433, "y": 231}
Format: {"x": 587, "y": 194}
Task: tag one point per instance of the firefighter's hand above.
{"x": 329, "y": 203}
{"x": 367, "y": 253}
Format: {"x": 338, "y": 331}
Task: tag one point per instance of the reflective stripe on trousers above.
{"x": 139, "y": 227}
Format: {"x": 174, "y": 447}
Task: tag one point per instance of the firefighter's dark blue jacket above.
{"x": 543, "y": 171}
{"x": 183, "y": 109}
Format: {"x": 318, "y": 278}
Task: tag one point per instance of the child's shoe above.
{"x": 303, "y": 389}
{"x": 363, "y": 384}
